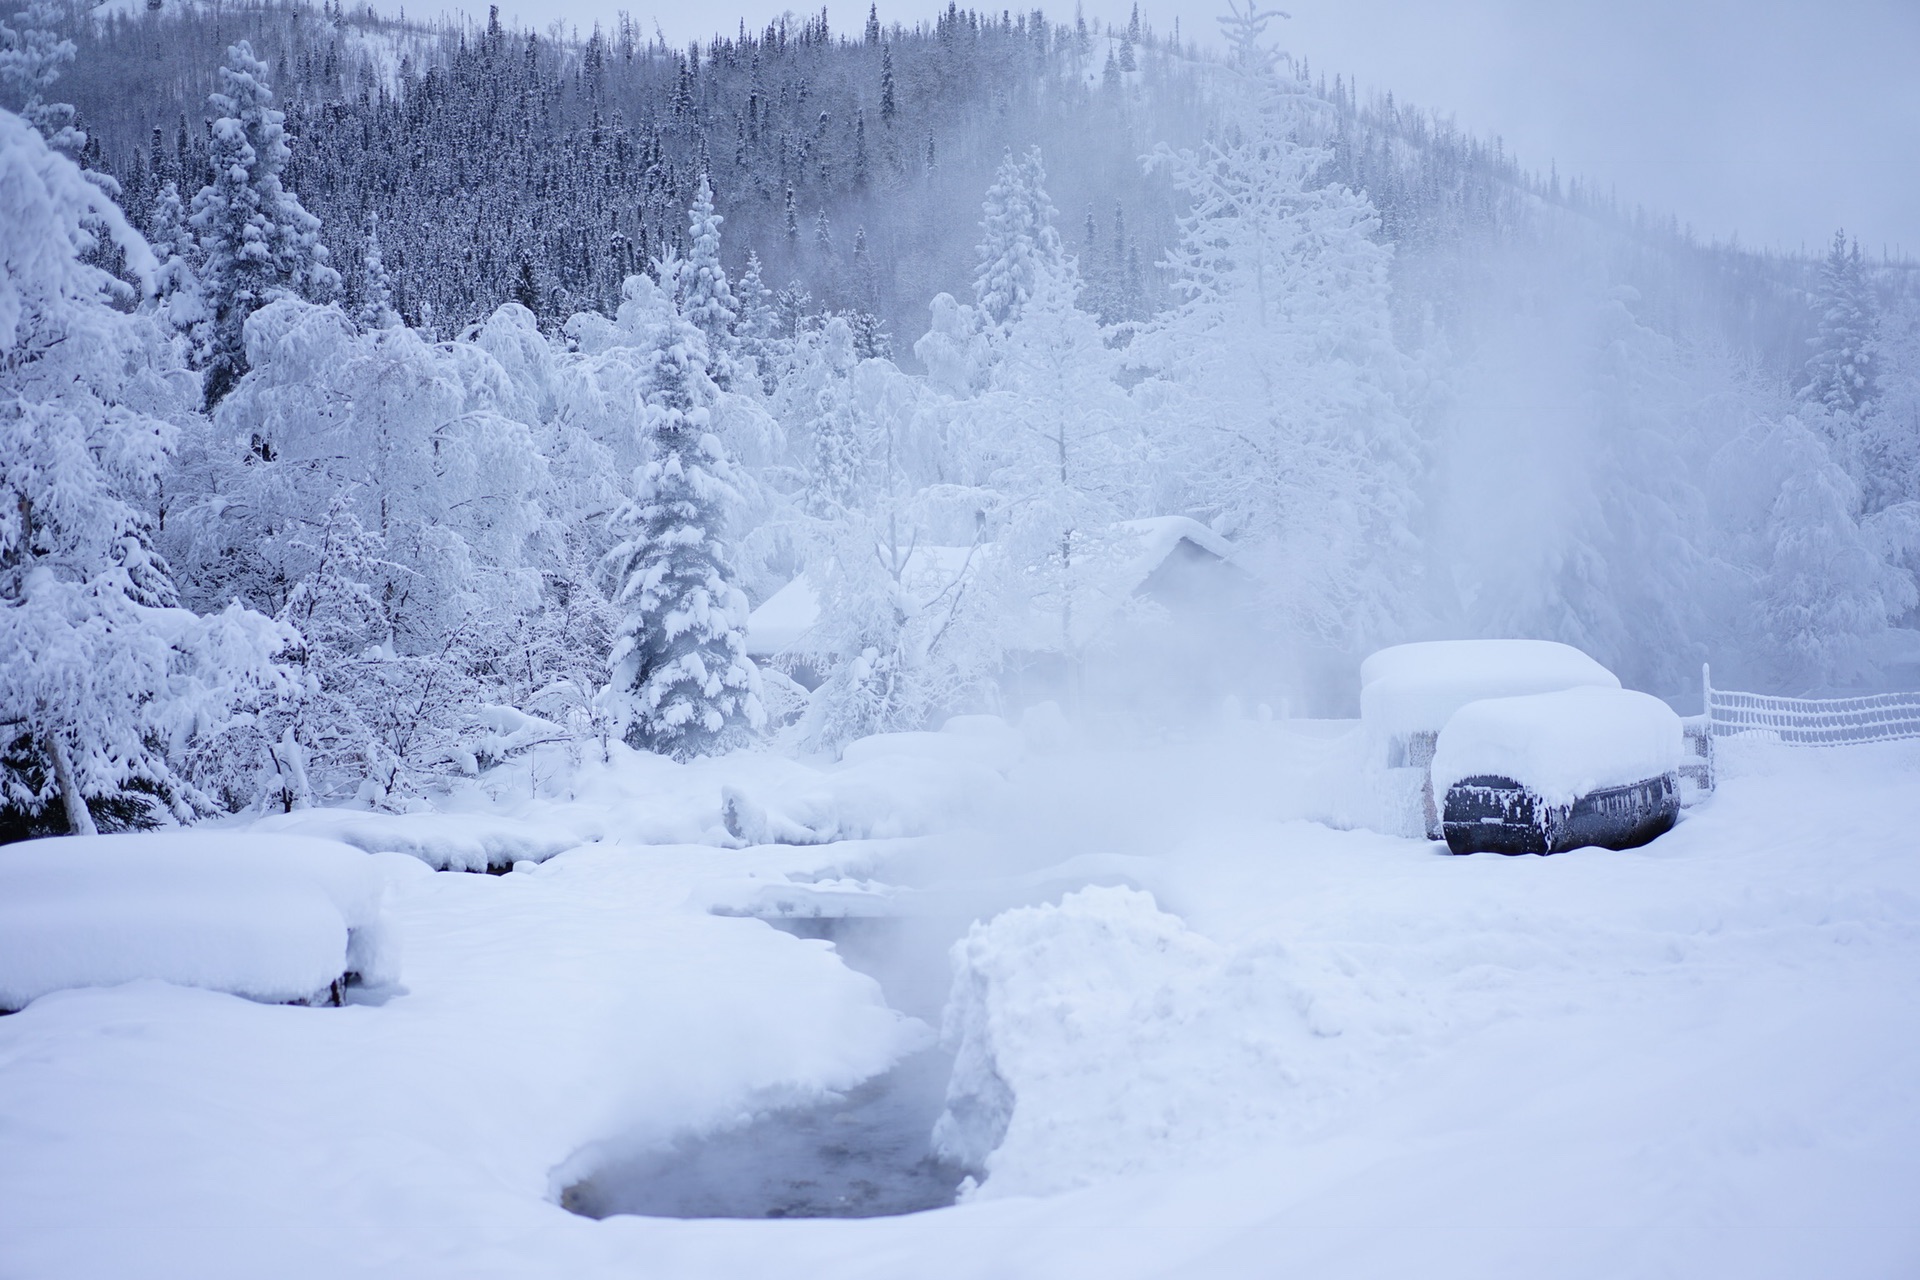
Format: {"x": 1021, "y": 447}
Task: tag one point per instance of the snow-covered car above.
{"x": 1543, "y": 773}
{"x": 1410, "y": 691}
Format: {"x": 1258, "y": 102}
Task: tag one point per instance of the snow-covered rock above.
{"x": 273, "y": 918}
{"x": 1561, "y": 745}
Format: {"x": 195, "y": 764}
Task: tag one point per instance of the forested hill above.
{"x": 505, "y": 166}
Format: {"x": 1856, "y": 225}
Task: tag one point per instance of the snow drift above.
{"x": 272, "y": 918}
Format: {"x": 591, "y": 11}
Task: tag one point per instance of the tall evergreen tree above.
{"x": 1842, "y": 373}
{"x": 1019, "y": 243}
{"x": 681, "y": 683}
{"x": 257, "y": 241}
{"x": 706, "y": 297}
{"x": 376, "y": 286}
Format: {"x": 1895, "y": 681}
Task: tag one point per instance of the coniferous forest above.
{"x": 381, "y": 399}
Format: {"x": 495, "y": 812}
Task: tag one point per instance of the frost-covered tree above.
{"x": 107, "y": 687}
{"x": 256, "y": 241}
{"x": 1842, "y": 371}
{"x": 706, "y": 297}
{"x": 681, "y": 683}
{"x": 1056, "y": 440}
{"x": 378, "y": 492}
{"x": 1276, "y": 374}
{"x": 376, "y": 286}
{"x": 1828, "y": 592}
{"x": 32, "y": 55}
{"x": 1019, "y": 242}
{"x": 914, "y": 633}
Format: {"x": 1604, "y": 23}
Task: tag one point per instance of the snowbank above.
{"x": 1102, "y": 1037}
{"x": 270, "y": 918}
{"x": 444, "y": 841}
{"x": 1561, "y": 745}
{"x": 1414, "y": 688}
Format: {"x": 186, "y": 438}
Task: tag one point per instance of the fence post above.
{"x": 1706, "y": 693}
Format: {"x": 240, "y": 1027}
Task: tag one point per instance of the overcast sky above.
{"x": 1778, "y": 120}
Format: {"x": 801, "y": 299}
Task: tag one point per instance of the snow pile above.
{"x": 1414, "y": 688}
{"x": 1102, "y": 1037}
{"x": 1561, "y": 745}
{"x": 444, "y": 841}
{"x": 273, "y": 919}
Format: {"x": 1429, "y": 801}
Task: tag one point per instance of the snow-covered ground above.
{"x": 1226, "y": 1040}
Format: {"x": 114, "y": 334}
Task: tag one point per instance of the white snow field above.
{"x": 1199, "y": 1035}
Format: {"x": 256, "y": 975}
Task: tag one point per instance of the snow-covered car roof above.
{"x": 1416, "y": 688}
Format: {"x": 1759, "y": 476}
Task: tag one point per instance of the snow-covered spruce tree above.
{"x": 757, "y": 328}
{"x": 256, "y": 241}
{"x": 1275, "y": 377}
{"x": 176, "y": 286}
{"x": 1019, "y": 242}
{"x": 1842, "y": 371}
{"x": 705, "y": 296}
{"x": 106, "y": 686}
{"x": 681, "y": 683}
{"x": 1829, "y": 592}
{"x": 376, "y": 287}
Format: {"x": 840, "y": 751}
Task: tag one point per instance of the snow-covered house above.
{"x": 1163, "y": 570}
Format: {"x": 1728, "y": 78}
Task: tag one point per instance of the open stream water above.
{"x": 865, "y": 1153}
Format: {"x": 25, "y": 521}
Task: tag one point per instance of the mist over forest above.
{"x": 447, "y": 329}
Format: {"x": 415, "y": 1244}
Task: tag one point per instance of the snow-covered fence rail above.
{"x": 1815, "y": 722}
{"x": 1800, "y": 722}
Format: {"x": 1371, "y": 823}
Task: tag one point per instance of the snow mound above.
{"x": 1414, "y": 688}
{"x": 1561, "y": 745}
{"x": 271, "y": 918}
{"x": 1102, "y": 1037}
{"x": 444, "y": 841}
